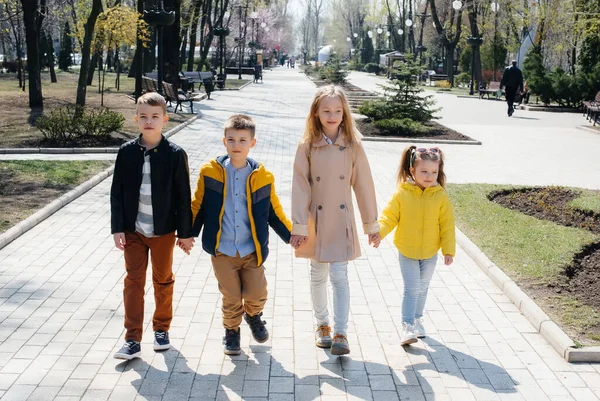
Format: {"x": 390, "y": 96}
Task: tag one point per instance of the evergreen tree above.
{"x": 334, "y": 72}
{"x": 368, "y": 52}
{"x": 404, "y": 108}
{"x": 536, "y": 75}
{"x": 66, "y": 48}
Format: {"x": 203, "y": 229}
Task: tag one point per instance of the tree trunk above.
{"x": 93, "y": 63}
{"x": 30, "y": 11}
{"x": 194, "y": 33}
{"x": 476, "y": 67}
{"x": 86, "y": 50}
{"x": 51, "y": 60}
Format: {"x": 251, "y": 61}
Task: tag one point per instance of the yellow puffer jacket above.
{"x": 423, "y": 220}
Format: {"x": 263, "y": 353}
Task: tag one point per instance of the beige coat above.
{"x": 322, "y": 199}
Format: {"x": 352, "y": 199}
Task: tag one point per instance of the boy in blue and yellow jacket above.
{"x": 235, "y": 202}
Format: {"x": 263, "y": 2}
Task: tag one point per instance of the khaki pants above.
{"x": 243, "y": 285}
{"x": 136, "y": 263}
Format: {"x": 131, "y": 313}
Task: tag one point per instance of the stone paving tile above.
{"x": 61, "y": 312}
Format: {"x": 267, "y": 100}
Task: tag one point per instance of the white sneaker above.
{"x": 408, "y": 334}
{"x": 419, "y": 328}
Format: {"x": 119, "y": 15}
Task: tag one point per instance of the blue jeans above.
{"x": 338, "y": 274}
{"x": 416, "y": 275}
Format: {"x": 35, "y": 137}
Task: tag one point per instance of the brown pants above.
{"x": 136, "y": 263}
{"x": 243, "y": 285}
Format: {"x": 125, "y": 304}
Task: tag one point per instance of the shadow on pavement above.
{"x": 259, "y": 374}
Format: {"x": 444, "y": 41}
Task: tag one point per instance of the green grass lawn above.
{"x": 18, "y": 125}
{"x": 532, "y": 252}
{"x": 28, "y": 185}
{"x": 232, "y": 82}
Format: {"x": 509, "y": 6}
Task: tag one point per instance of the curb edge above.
{"x": 548, "y": 329}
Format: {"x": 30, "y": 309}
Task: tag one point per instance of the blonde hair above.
{"x": 410, "y": 158}
{"x": 152, "y": 99}
{"x": 314, "y": 129}
{"x": 240, "y": 122}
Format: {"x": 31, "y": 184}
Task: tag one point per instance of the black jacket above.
{"x": 171, "y": 195}
{"x": 512, "y": 77}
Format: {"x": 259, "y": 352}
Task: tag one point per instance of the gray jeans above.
{"x": 338, "y": 273}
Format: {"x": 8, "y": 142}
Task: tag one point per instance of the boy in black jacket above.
{"x": 150, "y": 200}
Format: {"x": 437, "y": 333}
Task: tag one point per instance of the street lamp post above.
{"x": 495, "y": 8}
{"x": 241, "y": 39}
{"x": 221, "y": 32}
{"x": 158, "y": 17}
{"x": 475, "y": 42}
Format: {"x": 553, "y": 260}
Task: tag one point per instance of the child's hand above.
{"x": 186, "y": 244}
{"x": 448, "y": 259}
{"x": 375, "y": 240}
{"x": 296, "y": 241}
{"x": 119, "y": 239}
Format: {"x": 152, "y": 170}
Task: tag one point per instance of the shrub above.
{"x": 58, "y": 125}
{"x": 65, "y": 124}
{"x": 373, "y": 68}
{"x": 404, "y": 126}
{"x": 464, "y": 78}
{"x": 445, "y": 84}
{"x": 355, "y": 66}
{"x": 100, "y": 123}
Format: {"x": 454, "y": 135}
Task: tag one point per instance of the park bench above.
{"x": 493, "y": 89}
{"x": 149, "y": 85}
{"x": 437, "y": 77}
{"x": 171, "y": 95}
{"x": 592, "y": 109}
{"x": 236, "y": 70}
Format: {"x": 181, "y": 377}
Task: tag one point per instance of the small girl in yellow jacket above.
{"x": 421, "y": 213}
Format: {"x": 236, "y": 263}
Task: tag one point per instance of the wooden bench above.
{"x": 149, "y": 85}
{"x": 492, "y": 89}
{"x": 171, "y": 95}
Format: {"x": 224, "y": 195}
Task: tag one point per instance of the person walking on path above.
{"x": 421, "y": 213}
{"x": 150, "y": 200}
{"x": 512, "y": 81}
{"x": 235, "y": 202}
{"x": 330, "y": 161}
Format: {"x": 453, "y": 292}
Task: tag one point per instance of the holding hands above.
{"x": 375, "y": 240}
{"x": 186, "y": 244}
{"x": 296, "y": 241}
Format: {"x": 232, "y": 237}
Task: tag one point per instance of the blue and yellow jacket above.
{"x": 264, "y": 209}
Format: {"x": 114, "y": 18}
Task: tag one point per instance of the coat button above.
{"x": 342, "y": 206}
{"x": 342, "y": 177}
{"x": 318, "y": 178}
{"x": 319, "y": 207}
{"x": 155, "y": 150}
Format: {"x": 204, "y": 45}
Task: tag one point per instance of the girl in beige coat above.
{"x": 330, "y": 162}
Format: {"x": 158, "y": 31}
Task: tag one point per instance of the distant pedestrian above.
{"x": 150, "y": 199}
{"x": 330, "y": 163}
{"x": 422, "y": 216}
{"x": 512, "y": 81}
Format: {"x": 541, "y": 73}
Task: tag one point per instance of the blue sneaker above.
{"x": 131, "y": 349}
{"x": 161, "y": 340}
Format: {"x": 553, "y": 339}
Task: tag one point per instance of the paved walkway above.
{"x": 61, "y": 312}
{"x": 529, "y": 148}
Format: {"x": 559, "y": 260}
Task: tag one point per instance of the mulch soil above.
{"x": 437, "y": 132}
{"x": 552, "y": 203}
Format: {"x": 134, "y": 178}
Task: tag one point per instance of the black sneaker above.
{"x": 232, "y": 342}
{"x": 161, "y": 340}
{"x": 257, "y": 325}
{"x": 131, "y": 349}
